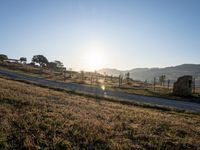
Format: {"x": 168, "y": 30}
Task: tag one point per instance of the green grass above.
{"x": 33, "y": 117}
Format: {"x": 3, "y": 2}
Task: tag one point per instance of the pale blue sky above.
{"x": 128, "y": 33}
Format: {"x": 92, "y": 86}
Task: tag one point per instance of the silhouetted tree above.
{"x": 162, "y": 80}
{"x": 3, "y": 57}
{"x": 55, "y": 65}
{"x": 127, "y": 76}
{"x": 59, "y": 64}
{"x": 23, "y": 59}
{"x": 41, "y": 60}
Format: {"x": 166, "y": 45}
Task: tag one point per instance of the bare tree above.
{"x": 127, "y": 77}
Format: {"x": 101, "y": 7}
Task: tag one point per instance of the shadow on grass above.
{"x": 15, "y": 103}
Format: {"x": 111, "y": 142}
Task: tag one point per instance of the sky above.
{"x": 94, "y": 34}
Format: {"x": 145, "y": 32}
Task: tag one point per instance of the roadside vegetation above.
{"x": 33, "y": 117}
{"x": 160, "y": 92}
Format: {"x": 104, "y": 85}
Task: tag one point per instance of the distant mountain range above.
{"x": 148, "y": 74}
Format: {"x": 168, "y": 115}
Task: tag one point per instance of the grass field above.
{"x": 33, "y": 117}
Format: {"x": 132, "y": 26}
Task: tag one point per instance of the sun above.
{"x": 95, "y": 60}
{"x": 95, "y": 55}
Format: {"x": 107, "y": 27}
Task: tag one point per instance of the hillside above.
{"x": 39, "y": 118}
{"x": 171, "y": 73}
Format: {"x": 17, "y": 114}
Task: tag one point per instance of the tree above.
{"x": 59, "y": 64}
{"x": 127, "y": 76}
{"x": 23, "y": 59}
{"x": 3, "y": 57}
{"x": 41, "y": 60}
{"x": 56, "y": 65}
{"x": 162, "y": 80}
{"x": 52, "y": 65}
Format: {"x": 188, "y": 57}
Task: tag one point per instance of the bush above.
{"x": 3, "y": 57}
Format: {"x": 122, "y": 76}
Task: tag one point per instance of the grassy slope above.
{"x": 35, "y": 117}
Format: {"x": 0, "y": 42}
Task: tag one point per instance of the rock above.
{"x": 183, "y": 86}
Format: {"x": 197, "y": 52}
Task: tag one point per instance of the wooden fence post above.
{"x": 168, "y": 84}
{"x": 154, "y": 84}
{"x": 193, "y": 85}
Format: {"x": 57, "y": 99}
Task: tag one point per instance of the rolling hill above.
{"x": 171, "y": 73}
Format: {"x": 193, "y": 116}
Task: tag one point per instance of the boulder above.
{"x": 183, "y": 86}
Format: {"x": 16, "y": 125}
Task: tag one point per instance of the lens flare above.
{"x": 103, "y": 87}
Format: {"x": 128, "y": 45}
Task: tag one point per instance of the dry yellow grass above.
{"x": 35, "y": 117}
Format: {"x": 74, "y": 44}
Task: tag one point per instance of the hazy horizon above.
{"x": 91, "y": 35}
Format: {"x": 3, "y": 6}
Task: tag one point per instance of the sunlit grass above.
{"x": 35, "y": 117}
